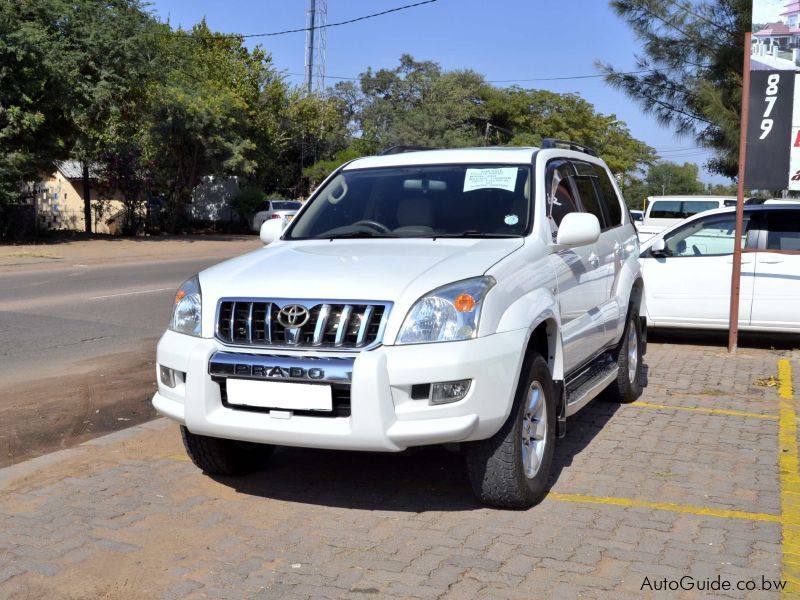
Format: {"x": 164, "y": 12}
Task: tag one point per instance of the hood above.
{"x": 395, "y": 270}
{"x": 353, "y": 269}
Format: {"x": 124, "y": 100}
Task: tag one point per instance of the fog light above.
{"x": 449, "y": 391}
{"x": 168, "y": 376}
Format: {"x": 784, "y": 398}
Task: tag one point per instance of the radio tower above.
{"x": 322, "y": 45}
{"x": 316, "y": 19}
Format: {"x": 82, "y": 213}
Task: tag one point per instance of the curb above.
{"x": 28, "y": 467}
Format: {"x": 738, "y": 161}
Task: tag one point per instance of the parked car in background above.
{"x": 285, "y": 210}
{"x": 637, "y": 216}
{"x": 789, "y": 201}
{"x": 665, "y": 211}
{"x": 687, "y": 271}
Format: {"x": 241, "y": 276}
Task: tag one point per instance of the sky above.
{"x": 503, "y": 40}
{"x": 767, "y": 11}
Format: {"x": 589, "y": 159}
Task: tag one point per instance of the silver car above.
{"x": 275, "y": 209}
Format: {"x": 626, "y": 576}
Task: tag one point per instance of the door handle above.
{"x": 770, "y": 260}
{"x": 594, "y": 260}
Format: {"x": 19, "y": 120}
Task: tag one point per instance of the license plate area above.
{"x": 247, "y": 393}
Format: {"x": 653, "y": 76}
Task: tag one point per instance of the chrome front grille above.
{"x": 329, "y": 325}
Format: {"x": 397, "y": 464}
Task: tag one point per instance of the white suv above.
{"x": 477, "y": 296}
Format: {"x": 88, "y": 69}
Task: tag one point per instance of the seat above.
{"x": 414, "y": 216}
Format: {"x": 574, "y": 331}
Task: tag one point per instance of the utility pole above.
{"x": 311, "y": 16}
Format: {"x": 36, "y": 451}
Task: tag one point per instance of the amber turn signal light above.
{"x": 464, "y": 303}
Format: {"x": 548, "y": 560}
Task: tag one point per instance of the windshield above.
{"x": 426, "y": 201}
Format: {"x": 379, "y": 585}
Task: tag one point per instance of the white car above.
{"x": 665, "y": 211}
{"x": 687, "y": 271}
{"x": 477, "y": 296}
{"x": 281, "y": 210}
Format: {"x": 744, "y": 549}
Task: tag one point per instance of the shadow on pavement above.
{"x": 747, "y": 339}
{"x": 416, "y": 480}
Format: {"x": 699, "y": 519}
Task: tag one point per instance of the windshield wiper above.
{"x": 358, "y": 234}
{"x": 473, "y": 233}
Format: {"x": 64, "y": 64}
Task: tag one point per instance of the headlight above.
{"x": 446, "y": 314}
{"x": 186, "y": 312}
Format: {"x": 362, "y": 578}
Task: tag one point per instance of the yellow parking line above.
{"x": 789, "y": 478}
{"x": 668, "y": 506}
{"x": 713, "y": 411}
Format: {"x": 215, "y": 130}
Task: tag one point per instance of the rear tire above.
{"x": 217, "y": 456}
{"x": 627, "y": 386}
{"x": 511, "y": 468}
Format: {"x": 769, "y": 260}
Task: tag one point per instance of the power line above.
{"x": 323, "y": 26}
{"x": 563, "y": 78}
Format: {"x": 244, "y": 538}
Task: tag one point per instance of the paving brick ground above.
{"x": 128, "y": 516}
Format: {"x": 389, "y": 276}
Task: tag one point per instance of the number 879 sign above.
{"x": 771, "y": 98}
{"x": 770, "y": 131}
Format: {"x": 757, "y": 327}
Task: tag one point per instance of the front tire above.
{"x": 217, "y": 456}
{"x": 627, "y": 387}
{"x": 511, "y": 468}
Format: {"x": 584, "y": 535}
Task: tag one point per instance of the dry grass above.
{"x": 27, "y": 253}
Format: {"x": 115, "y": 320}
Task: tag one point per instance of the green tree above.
{"x": 669, "y": 178}
{"x": 420, "y": 104}
{"x": 720, "y": 189}
{"x": 211, "y": 111}
{"x": 313, "y": 129}
{"x": 68, "y": 68}
{"x": 692, "y": 55}
{"x": 35, "y": 93}
{"x": 532, "y": 115}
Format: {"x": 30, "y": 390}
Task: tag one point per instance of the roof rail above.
{"x": 403, "y": 149}
{"x": 567, "y": 145}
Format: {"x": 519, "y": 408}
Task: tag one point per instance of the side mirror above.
{"x": 658, "y": 248}
{"x": 271, "y": 230}
{"x": 578, "y": 229}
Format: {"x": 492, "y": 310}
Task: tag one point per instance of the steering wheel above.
{"x": 373, "y": 224}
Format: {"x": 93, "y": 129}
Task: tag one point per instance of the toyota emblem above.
{"x": 293, "y": 315}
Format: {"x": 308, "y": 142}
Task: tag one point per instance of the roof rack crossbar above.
{"x": 565, "y": 144}
{"x": 403, "y": 149}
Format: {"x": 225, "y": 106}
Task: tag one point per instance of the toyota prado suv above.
{"x": 476, "y": 297}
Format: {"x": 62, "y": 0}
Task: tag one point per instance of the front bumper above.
{"x": 383, "y": 415}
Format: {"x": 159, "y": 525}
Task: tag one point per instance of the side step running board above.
{"x": 598, "y": 378}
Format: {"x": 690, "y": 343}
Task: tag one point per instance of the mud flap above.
{"x": 643, "y": 329}
{"x": 561, "y": 408}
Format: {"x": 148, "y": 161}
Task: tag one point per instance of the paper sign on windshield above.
{"x": 504, "y": 178}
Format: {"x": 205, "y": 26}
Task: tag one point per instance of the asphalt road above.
{"x": 52, "y": 319}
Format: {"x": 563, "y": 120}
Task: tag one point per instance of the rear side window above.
{"x": 613, "y": 203}
{"x": 589, "y": 198}
{"x": 783, "y": 230}
{"x": 278, "y": 205}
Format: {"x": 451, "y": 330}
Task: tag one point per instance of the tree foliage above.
{"x": 663, "y": 178}
{"x": 155, "y": 109}
{"x": 692, "y": 55}
{"x": 417, "y": 103}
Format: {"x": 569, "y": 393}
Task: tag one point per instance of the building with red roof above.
{"x": 784, "y": 34}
